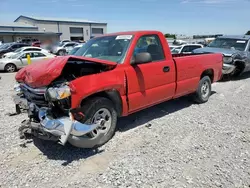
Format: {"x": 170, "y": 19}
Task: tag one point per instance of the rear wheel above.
{"x": 10, "y": 67}
{"x": 203, "y": 91}
{"x": 97, "y": 110}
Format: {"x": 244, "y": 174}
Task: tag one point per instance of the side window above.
{"x": 24, "y": 56}
{"x": 186, "y": 49}
{"x": 70, "y": 44}
{"x": 35, "y": 49}
{"x": 152, "y": 45}
{"x": 15, "y": 46}
{"x": 194, "y": 47}
{"x": 38, "y": 54}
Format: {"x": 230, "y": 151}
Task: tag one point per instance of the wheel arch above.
{"x": 209, "y": 73}
{"x": 111, "y": 94}
{"x": 10, "y": 64}
{"x": 240, "y": 64}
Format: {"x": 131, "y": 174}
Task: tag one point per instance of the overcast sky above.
{"x": 173, "y": 16}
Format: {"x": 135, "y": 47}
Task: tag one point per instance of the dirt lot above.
{"x": 175, "y": 144}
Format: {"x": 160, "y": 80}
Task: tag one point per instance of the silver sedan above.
{"x": 20, "y": 60}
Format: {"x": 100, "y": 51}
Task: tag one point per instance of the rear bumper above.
{"x": 61, "y": 128}
{"x": 228, "y": 69}
{"x": 2, "y": 66}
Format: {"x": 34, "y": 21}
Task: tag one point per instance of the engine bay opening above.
{"x": 78, "y": 68}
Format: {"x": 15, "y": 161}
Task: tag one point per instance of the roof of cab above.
{"x": 132, "y": 32}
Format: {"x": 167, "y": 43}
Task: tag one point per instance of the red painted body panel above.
{"x": 91, "y": 84}
{"x": 139, "y": 86}
{"x": 190, "y": 68}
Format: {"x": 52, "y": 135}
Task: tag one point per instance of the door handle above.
{"x": 166, "y": 69}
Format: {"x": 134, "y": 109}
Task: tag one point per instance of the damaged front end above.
{"x": 50, "y": 116}
{"x": 51, "y": 120}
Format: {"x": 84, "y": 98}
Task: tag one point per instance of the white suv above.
{"x": 185, "y": 48}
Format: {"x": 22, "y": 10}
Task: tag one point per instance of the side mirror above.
{"x": 140, "y": 58}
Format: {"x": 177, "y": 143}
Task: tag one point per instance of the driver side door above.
{"x": 153, "y": 82}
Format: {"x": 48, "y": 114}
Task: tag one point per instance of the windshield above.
{"x": 112, "y": 48}
{"x": 235, "y": 44}
{"x": 15, "y": 56}
{"x": 176, "y": 50}
{"x": 60, "y": 44}
{"x": 18, "y": 50}
{"x": 4, "y": 46}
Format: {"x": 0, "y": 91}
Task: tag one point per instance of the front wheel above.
{"x": 61, "y": 53}
{"x": 10, "y": 67}
{"x": 203, "y": 91}
{"x": 97, "y": 110}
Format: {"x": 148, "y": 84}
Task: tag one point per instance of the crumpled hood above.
{"x": 43, "y": 73}
{"x": 226, "y": 52}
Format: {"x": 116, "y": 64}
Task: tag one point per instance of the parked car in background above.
{"x": 172, "y": 47}
{"x": 186, "y": 48}
{"x": 75, "y": 49}
{"x": 109, "y": 77}
{"x": 36, "y": 44}
{"x": 19, "y": 60}
{"x": 179, "y": 42}
{"x": 28, "y": 41}
{"x": 63, "y": 48}
{"x": 64, "y": 41}
{"x": 236, "y": 52}
{"x": 10, "y": 47}
{"x": 24, "y": 49}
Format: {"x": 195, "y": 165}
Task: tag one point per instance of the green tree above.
{"x": 168, "y": 35}
{"x": 248, "y": 33}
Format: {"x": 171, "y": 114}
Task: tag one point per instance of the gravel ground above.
{"x": 174, "y": 144}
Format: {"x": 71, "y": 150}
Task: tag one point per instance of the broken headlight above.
{"x": 227, "y": 59}
{"x": 58, "y": 93}
{"x": 17, "y": 88}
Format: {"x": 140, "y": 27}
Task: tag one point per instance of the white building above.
{"x": 44, "y": 28}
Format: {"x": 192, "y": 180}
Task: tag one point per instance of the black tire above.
{"x": 89, "y": 108}
{"x": 61, "y": 53}
{"x": 202, "y": 96}
{"x": 238, "y": 71}
{"x": 10, "y": 67}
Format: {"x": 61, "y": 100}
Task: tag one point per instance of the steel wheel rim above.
{"x": 104, "y": 118}
{"x": 205, "y": 89}
{"x": 10, "y": 68}
{"x": 61, "y": 53}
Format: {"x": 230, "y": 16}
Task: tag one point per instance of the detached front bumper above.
{"x": 60, "y": 128}
{"x": 228, "y": 68}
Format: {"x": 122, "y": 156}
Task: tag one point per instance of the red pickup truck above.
{"x": 79, "y": 98}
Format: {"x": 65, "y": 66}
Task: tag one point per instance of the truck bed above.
{"x": 189, "y": 68}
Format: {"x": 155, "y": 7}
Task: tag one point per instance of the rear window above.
{"x": 32, "y": 49}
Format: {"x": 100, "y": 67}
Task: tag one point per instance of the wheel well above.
{"x": 209, "y": 73}
{"x": 112, "y": 95}
{"x": 10, "y": 64}
{"x": 240, "y": 65}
